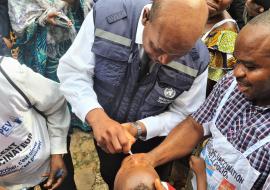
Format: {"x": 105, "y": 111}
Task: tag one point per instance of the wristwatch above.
{"x": 139, "y": 129}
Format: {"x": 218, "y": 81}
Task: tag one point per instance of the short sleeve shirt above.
{"x": 242, "y": 122}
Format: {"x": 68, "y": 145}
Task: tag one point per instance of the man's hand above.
{"x": 110, "y": 135}
{"x": 130, "y": 132}
{"x": 253, "y": 9}
{"x": 57, "y": 174}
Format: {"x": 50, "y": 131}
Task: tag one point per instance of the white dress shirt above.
{"x": 76, "y": 70}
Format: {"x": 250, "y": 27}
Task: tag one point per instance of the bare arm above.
{"x": 180, "y": 142}
{"x": 197, "y": 164}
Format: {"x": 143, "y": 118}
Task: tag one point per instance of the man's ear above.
{"x": 146, "y": 14}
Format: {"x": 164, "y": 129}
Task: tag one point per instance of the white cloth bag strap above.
{"x": 218, "y": 25}
{"x": 224, "y": 99}
{"x": 256, "y": 146}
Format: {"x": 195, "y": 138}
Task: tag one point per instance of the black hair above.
{"x": 142, "y": 186}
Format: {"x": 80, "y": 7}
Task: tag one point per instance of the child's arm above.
{"x": 197, "y": 164}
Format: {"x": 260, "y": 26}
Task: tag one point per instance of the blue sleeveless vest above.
{"x": 123, "y": 89}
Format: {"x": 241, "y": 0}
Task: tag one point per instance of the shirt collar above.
{"x": 140, "y": 27}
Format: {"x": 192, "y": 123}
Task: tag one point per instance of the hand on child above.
{"x": 197, "y": 164}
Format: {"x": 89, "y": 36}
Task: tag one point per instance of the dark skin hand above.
{"x": 52, "y": 16}
{"x": 7, "y": 42}
{"x": 197, "y": 164}
{"x": 110, "y": 135}
{"x": 185, "y": 137}
{"x": 57, "y": 163}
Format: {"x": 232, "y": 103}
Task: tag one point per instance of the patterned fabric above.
{"x": 220, "y": 43}
{"x": 267, "y": 184}
{"x": 41, "y": 46}
{"x": 241, "y": 122}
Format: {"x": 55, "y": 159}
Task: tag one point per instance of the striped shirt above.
{"x": 242, "y": 122}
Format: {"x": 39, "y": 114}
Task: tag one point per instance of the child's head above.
{"x": 135, "y": 177}
{"x": 216, "y": 7}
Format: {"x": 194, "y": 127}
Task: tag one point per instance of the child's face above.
{"x": 216, "y": 7}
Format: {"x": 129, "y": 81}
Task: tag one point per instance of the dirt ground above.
{"x": 85, "y": 161}
{"x": 86, "y": 165}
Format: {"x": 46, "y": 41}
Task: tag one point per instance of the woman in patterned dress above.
{"x": 220, "y": 34}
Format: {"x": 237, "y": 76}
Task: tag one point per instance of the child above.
{"x": 138, "y": 176}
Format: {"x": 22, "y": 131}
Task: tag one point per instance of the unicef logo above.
{"x": 169, "y": 92}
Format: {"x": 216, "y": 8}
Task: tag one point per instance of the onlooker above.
{"x": 220, "y": 34}
{"x": 129, "y": 64}
{"x": 45, "y": 30}
{"x": 236, "y": 10}
{"x": 34, "y": 127}
{"x": 253, "y": 9}
{"x": 236, "y": 114}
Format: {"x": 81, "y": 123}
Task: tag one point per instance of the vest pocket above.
{"x": 110, "y": 50}
{"x": 160, "y": 96}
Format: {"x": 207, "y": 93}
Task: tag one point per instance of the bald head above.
{"x": 263, "y": 18}
{"x": 176, "y": 24}
{"x": 135, "y": 177}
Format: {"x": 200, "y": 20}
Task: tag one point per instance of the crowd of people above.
{"x": 153, "y": 81}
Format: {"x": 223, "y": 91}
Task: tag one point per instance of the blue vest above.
{"x": 128, "y": 87}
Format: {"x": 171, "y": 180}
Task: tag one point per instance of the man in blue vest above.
{"x": 136, "y": 71}
{"x": 236, "y": 115}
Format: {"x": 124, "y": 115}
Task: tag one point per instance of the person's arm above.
{"x": 184, "y": 105}
{"x": 75, "y": 72}
{"x": 197, "y": 164}
{"x": 184, "y": 137}
{"x": 180, "y": 142}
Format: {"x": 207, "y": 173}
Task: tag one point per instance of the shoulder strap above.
{"x": 19, "y": 90}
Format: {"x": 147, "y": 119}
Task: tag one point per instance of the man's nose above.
{"x": 239, "y": 71}
{"x": 164, "y": 59}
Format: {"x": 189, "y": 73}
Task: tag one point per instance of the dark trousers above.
{"x": 110, "y": 163}
{"x": 68, "y": 183}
